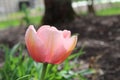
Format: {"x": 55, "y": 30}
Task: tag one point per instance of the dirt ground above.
{"x": 100, "y": 37}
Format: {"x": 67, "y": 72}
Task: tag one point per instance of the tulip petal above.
{"x": 42, "y": 28}
{"x": 34, "y": 45}
{"x": 66, "y": 34}
{"x": 69, "y": 45}
{"x": 61, "y": 53}
{"x": 46, "y": 34}
{"x": 53, "y": 39}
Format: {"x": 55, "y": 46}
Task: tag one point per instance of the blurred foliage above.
{"x": 79, "y": 0}
{"x": 26, "y": 14}
{"x": 105, "y": 12}
{"x": 16, "y": 22}
{"x": 109, "y": 11}
{"x": 18, "y": 66}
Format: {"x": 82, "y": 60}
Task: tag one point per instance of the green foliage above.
{"x": 19, "y": 66}
{"x": 109, "y": 11}
{"x": 9, "y": 23}
{"x": 26, "y": 13}
{"x": 78, "y": 0}
{"x": 16, "y": 22}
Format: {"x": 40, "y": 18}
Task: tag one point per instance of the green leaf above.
{"x": 86, "y": 71}
{"x": 24, "y": 77}
{"x": 14, "y": 49}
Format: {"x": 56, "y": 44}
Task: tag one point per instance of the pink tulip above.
{"x": 49, "y": 45}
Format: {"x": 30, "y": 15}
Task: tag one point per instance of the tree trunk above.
{"x": 90, "y": 5}
{"x": 57, "y": 12}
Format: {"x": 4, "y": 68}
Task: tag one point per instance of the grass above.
{"x": 16, "y": 22}
{"x": 109, "y": 11}
{"x": 8, "y": 23}
{"x": 105, "y": 12}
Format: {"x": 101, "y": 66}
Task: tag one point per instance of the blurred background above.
{"x": 12, "y": 13}
{"x": 96, "y": 21}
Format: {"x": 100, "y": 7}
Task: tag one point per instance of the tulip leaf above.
{"x": 76, "y": 55}
{"x": 14, "y": 49}
{"x": 24, "y": 77}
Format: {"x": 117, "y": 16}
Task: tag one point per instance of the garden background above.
{"x": 97, "y": 23}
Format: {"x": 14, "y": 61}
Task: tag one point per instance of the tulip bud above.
{"x": 48, "y": 44}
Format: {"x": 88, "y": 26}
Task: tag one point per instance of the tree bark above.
{"x": 91, "y": 10}
{"x": 57, "y": 12}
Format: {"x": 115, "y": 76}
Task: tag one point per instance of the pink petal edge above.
{"x": 34, "y": 45}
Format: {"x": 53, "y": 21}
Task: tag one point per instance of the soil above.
{"x": 100, "y": 37}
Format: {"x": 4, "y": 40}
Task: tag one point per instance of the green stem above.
{"x": 44, "y": 69}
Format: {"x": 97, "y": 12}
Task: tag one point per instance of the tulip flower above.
{"x": 48, "y": 44}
